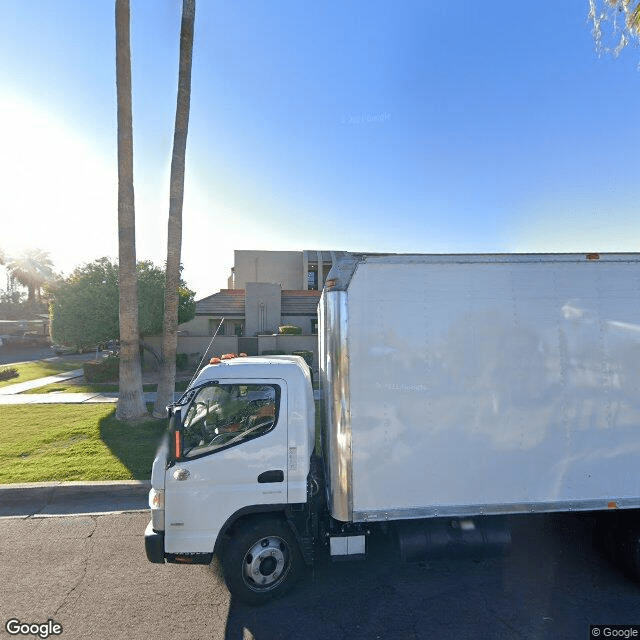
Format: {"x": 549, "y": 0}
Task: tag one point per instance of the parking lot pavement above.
{"x": 90, "y": 575}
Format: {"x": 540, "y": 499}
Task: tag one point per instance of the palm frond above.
{"x": 633, "y": 20}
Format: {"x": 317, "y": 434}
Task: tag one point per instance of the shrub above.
{"x": 290, "y": 330}
{"x": 102, "y": 370}
{"x": 8, "y": 374}
{"x": 307, "y": 355}
{"x": 182, "y": 361}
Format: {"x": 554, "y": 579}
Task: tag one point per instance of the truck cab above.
{"x": 233, "y": 470}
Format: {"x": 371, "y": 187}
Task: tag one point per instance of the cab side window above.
{"x": 224, "y": 415}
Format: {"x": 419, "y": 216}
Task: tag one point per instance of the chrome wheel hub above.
{"x": 266, "y": 563}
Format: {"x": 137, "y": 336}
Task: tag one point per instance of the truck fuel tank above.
{"x": 420, "y": 540}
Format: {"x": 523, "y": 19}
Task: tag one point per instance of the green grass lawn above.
{"x": 74, "y": 442}
{"x": 39, "y": 369}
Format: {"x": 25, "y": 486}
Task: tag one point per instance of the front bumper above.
{"x": 154, "y": 544}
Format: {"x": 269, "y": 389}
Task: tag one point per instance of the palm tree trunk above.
{"x": 131, "y": 404}
{"x": 166, "y": 386}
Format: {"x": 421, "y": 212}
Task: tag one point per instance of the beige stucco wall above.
{"x": 288, "y": 344}
{"x": 198, "y": 326}
{"x": 304, "y": 322}
{"x": 282, "y": 267}
{"x": 199, "y": 344}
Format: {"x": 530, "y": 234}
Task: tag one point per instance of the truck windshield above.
{"x": 223, "y": 415}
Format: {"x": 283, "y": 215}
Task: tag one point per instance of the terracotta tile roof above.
{"x": 227, "y": 303}
{"x": 230, "y": 303}
{"x": 300, "y": 303}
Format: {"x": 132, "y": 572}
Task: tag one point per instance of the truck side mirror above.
{"x": 175, "y": 435}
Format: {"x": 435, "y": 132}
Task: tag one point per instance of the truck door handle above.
{"x": 275, "y": 475}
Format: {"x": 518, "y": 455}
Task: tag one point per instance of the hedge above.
{"x": 307, "y": 355}
{"x": 289, "y": 330}
{"x": 8, "y": 374}
{"x": 102, "y": 371}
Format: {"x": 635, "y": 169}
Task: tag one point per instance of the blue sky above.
{"x": 380, "y": 126}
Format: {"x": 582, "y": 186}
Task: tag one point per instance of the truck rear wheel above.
{"x": 631, "y": 553}
{"x": 618, "y": 537}
{"x": 261, "y": 561}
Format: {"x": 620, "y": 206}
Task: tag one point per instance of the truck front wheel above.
{"x": 261, "y": 560}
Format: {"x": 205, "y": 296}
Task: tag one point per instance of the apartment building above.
{"x": 266, "y": 290}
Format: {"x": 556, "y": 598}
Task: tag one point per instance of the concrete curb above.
{"x": 64, "y": 498}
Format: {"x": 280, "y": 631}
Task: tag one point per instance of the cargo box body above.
{"x": 484, "y": 384}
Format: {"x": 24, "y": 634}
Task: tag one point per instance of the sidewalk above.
{"x": 15, "y": 393}
{"x": 69, "y": 398}
{"x": 21, "y": 387}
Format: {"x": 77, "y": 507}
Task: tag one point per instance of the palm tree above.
{"x": 131, "y": 404}
{"x": 624, "y": 16}
{"x": 33, "y": 269}
{"x": 166, "y": 385}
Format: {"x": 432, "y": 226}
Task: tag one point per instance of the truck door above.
{"x": 232, "y": 455}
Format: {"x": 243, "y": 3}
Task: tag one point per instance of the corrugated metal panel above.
{"x": 484, "y": 384}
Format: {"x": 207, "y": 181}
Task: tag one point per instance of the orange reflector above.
{"x": 612, "y": 505}
{"x": 178, "y": 451}
{"x": 593, "y": 256}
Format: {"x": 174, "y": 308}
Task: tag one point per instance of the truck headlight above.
{"x": 156, "y": 503}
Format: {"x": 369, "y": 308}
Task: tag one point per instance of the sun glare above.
{"x": 58, "y": 190}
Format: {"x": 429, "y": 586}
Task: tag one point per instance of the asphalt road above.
{"x": 10, "y": 355}
{"x": 90, "y": 575}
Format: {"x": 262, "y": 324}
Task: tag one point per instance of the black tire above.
{"x": 631, "y": 553}
{"x": 261, "y": 561}
{"x": 607, "y": 537}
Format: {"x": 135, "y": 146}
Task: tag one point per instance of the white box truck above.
{"x": 456, "y": 389}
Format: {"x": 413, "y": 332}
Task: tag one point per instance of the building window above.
{"x": 314, "y": 327}
{"x": 312, "y": 279}
{"x": 214, "y": 323}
